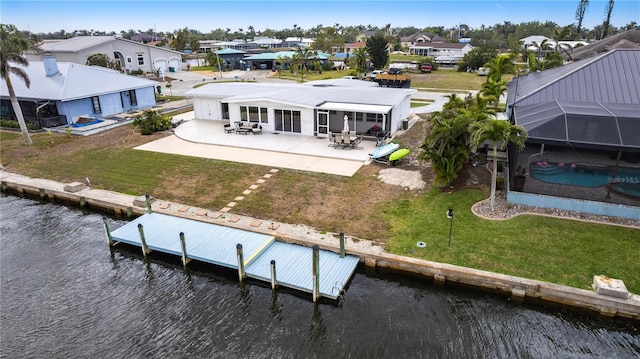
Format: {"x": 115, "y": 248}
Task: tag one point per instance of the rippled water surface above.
{"x": 65, "y": 294}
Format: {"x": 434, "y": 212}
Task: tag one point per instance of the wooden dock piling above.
{"x": 241, "y": 272}
{"x": 148, "y": 201}
{"x": 185, "y": 258}
{"x": 106, "y": 227}
{"x": 145, "y": 249}
{"x": 316, "y": 272}
{"x": 274, "y": 280}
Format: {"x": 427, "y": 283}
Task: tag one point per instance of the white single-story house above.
{"x": 62, "y": 92}
{"x": 131, "y": 55}
{"x": 311, "y": 109}
{"x": 443, "y": 53}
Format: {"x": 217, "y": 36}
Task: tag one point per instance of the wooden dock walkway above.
{"x": 262, "y": 256}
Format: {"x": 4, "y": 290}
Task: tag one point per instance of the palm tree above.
{"x": 500, "y": 65}
{"x": 500, "y": 133}
{"x": 301, "y": 55}
{"x": 362, "y": 56}
{"x": 12, "y": 46}
{"x": 559, "y": 34}
{"x": 580, "y": 11}
{"x": 447, "y": 144}
{"x": 492, "y": 90}
{"x": 608, "y": 10}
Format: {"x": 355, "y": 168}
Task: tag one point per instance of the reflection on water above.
{"x": 64, "y": 294}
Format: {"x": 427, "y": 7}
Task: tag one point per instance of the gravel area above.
{"x": 504, "y": 210}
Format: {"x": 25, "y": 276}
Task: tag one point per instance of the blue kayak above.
{"x": 385, "y": 150}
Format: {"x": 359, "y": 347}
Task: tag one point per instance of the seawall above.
{"x": 370, "y": 254}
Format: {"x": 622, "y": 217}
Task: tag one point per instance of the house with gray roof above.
{"x": 60, "y": 92}
{"x": 420, "y": 38}
{"x": 582, "y": 119}
{"x": 130, "y": 55}
{"x": 311, "y": 109}
{"x": 629, "y": 39}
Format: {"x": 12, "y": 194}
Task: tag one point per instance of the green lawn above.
{"x": 556, "y": 250}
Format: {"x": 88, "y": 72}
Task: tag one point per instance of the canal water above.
{"x": 65, "y": 294}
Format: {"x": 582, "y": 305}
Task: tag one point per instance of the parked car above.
{"x": 483, "y": 71}
{"x": 426, "y": 67}
{"x": 395, "y": 71}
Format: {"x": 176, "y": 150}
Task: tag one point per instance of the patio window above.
{"x": 96, "y": 104}
{"x": 374, "y": 117}
{"x": 225, "y": 111}
{"x": 288, "y": 121}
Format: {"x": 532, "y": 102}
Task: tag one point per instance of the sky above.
{"x": 207, "y": 15}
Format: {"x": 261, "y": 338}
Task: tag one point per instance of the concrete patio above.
{"x": 207, "y": 139}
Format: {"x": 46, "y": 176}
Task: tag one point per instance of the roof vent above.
{"x": 50, "y": 65}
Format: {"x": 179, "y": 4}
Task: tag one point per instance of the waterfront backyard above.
{"x": 557, "y": 250}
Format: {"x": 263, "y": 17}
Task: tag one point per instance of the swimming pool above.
{"x": 626, "y": 180}
{"x": 86, "y": 123}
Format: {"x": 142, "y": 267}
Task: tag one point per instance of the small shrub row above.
{"x": 14, "y": 124}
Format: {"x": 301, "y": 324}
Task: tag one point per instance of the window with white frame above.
{"x": 254, "y": 114}
{"x": 140, "y": 59}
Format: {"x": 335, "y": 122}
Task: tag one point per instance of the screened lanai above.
{"x": 590, "y": 125}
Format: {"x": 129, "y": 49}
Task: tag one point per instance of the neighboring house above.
{"x": 311, "y": 109}
{"x": 533, "y": 43}
{"x": 420, "y": 38}
{"x": 349, "y": 48}
{"x": 629, "y": 39}
{"x": 302, "y": 41}
{"x": 363, "y": 37}
{"x": 445, "y": 53}
{"x": 209, "y": 45}
{"x": 233, "y": 59}
{"x": 62, "y": 92}
{"x": 131, "y": 55}
{"x": 586, "y": 113}
{"x": 269, "y": 60}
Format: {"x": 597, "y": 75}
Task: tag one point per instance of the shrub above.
{"x": 151, "y": 121}
{"x": 14, "y": 124}
{"x": 136, "y": 72}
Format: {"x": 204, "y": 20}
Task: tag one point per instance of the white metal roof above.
{"x": 76, "y": 44}
{"x": 73, "y": 81}
{"x": 301, "y": 95}
{"x": 80, "y": 43}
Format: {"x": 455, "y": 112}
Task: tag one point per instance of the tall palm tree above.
{"x": 500, "y": 133}
{"x": 12, "y": 46}
{"x": 580, "y": 11}
{"x": 608, "y": 10}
